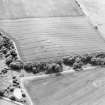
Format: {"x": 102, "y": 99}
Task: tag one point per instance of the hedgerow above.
{"x": 75, "y": 61}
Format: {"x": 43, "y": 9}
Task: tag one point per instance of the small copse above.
{"x": 16, "y": 65}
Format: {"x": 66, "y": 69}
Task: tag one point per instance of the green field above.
{"x": 44, "y": 39}
{"x": 13, "y": 9}
{"x": 69, "y": 89}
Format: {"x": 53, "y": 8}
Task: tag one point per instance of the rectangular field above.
{"x": 14, "y": 9}
{"x": 69, "y": 89}
{"x": 44, "y": 39}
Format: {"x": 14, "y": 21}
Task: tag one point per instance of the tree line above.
{"x": 7, "y": 48}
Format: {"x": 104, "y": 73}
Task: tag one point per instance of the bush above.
{"x": 35, "y": 70}
{"x": 103, "y": 62}
{"x": 6, "y": 42}
{"x": 1, "y": 33}
{"x": 86, "y": 58}
{"x": 28, "y": 67}
{"x": 8, "y": 60}
{"x": 60, "y": 62}
{"x": 4, "y": 50}
{"x": 2, "y": 93}
{"x": 23, "y": 95}
{"x": 13, "y": 98}
{"x": 1, "y": 45}
{"x": 4, "y": 71}
{"x": 100, "y": 55}
{"x": 69, "y": 61}
{"x": 16, "y": 65}
{"x": 8, "y": 54}
{"x": 93, "y": 61}
{"x": 41, "y": 67}
{"x": 53, "y": 68}
{"x": 77, "y": 65}
{"x": 97, "y": 61}
{"x": 58, "y": 68}
{"x": 78, "y": 58}
{"x": 13, "y": 53}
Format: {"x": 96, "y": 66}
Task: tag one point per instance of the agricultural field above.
{"x": 95, "y": 10}
{"x": 13, "y": 9}
{"x": 83, "y": 88}
{"x": 4, "y": 102}
{"x": 45, "y": 39}
{"x": 47, "y": 31}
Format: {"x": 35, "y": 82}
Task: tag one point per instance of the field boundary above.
{"x": 23, "y": 79}
{"x": 54, "y": 75}
{"x": 15, "y": 43}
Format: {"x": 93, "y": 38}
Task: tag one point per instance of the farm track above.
{"x": 44, "y": 39}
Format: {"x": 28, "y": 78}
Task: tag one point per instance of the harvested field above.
{"x": 14, "y": 9}
{"x": 83, "y": 88}
{"x": 44, "y": 39}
